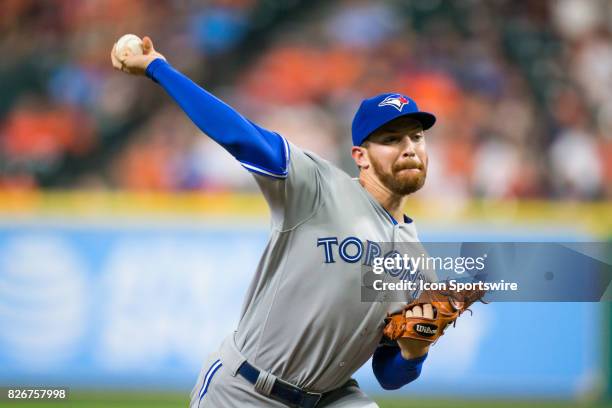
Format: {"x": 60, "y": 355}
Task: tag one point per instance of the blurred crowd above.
{"x": 522, "y": 90}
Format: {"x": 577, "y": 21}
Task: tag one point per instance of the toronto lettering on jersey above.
{"x": 350, "y": 249}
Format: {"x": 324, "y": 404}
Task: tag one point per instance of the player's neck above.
{"x": 393, "y": 203}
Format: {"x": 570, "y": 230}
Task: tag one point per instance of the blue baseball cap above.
{"x": 381, "y": 109}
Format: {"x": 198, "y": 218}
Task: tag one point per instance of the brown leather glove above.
{"x": 447, "y": 305}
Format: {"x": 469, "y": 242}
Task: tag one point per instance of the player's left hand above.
{"x": 412, "y": 348}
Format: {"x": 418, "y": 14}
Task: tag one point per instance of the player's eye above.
{"x": 391, "y": 139}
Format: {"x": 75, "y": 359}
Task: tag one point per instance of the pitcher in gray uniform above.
{"x": 304, "y": 329}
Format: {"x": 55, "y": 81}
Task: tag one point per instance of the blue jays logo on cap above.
{"x": 376, "y": 111}
{"x": 397, "y": 101}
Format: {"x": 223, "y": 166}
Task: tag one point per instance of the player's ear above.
{"x": 360, "y": 155}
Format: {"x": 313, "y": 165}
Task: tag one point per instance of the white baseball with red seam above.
{"x": 129, "y": 44}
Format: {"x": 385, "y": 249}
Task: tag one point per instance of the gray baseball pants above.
{"x": 219, "y": 386}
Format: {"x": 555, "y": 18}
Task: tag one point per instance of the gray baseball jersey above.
{"x": 303, "y": 318}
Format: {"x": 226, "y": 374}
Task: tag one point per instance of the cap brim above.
{"x": 427, "y": 119}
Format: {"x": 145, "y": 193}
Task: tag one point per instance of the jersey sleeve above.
{"x": 294, "y": 199}
{"x": 289, "y": 178}
{"x": 257, "y": 149}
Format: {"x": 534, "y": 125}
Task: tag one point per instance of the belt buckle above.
{"x": 311, "y": 399}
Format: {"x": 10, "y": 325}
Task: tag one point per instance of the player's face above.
{"x": 398, "y": 156}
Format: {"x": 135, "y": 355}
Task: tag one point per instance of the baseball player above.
{"x": 304, "y": 330}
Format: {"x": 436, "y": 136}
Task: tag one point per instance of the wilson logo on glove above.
{"x": 425, "y": 329}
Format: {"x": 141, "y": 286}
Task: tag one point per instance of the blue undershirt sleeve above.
{"x": 257, "y": 149}
{"x": 393, "y": 371}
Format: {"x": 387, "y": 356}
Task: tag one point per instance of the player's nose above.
{"x": 408, "y": 148}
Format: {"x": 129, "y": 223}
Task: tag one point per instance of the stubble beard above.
{"x": 398, "y": 183}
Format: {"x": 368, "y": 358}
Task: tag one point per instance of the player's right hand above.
{"x": 136, "y": 64}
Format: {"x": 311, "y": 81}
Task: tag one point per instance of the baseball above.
{"x": 129, "y": 44}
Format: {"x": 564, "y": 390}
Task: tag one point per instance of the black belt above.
{"x": 282, "y": 391}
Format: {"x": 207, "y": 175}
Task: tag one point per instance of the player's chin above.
{"x": 409, "y": 183}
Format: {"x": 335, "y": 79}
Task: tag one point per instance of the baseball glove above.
{"x": 447, "y": 306}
